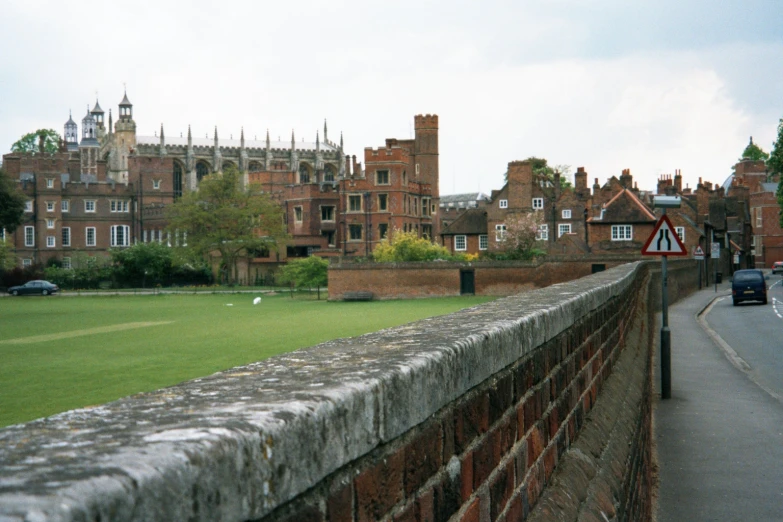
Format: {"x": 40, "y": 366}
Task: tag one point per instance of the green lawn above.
{"x": 59, "y": 353}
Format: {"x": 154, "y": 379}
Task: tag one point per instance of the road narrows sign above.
{"x": 664, "y": 240}
{"x": 698, "y": 253}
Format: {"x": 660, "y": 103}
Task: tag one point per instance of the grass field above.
{"x": 60, "y": 353}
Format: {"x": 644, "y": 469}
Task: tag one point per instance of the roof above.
{"x": 70, "y": 120}
{"x": 97, "y": 108}
{"x": 125, "y": 101}
{"x": 467, "y": 200}
{"x": 624, "y": 207}
{"x": 222, "y": 142}
{"x": 472, "y": 221}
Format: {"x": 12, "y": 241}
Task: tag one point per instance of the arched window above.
{"x": 255, "y": 167}
{"x": 328, "y": 173}
{"x": 227, "y": 165}
{"x": 202, "y": 169}
{"x": 304, "y": 173}
{"x": 177, "y": 182}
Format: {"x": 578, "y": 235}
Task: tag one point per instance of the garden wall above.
{"x": 441, "y": 279}
{"x": 531, "y": 407}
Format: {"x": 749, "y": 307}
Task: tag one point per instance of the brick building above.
{"x": 111, "y": 188}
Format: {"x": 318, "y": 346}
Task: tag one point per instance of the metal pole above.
{"x": 714, "y": 262}
{"x": 666, "y": 347}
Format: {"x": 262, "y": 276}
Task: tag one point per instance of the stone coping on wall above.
{"x": 347, "y": 264}
{"x": 237, "y": 444}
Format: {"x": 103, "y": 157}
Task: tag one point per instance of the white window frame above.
{"x": 483, "y": 242}
{"x": 351, "y": 228}
{"x": 120, "y": 239}
{"x": 51, "y": 242}
{"x": 566, "y": 213}
{"x": 28, "y": 205}
{"x": 351, "y": 198}
{"x": 563, "y": 228}
{"x": 89, "y": 205}
{"x": 65, "y": 205}
{"x": 538, "y": 203}
{"x": 50, "y": 206}
{"x": 680, "y": 233}
{"x": 90, "y": 234}
{"x": 67, "y": 263}
{"x": 49, "y": 182}
{"x": 500, "y": 232}
{"x": 118, "y": 205}
{"x": 503, "y": 203}
{"x": 27, "y": 261}
{"x": 298, "y": 214}
{"x": 29, "y": 236}
{"x": 622, "y": 232}
{"x": 460, "y": 243}
{"x": 378, "y": 177}
{"x": 542, "y": 233}
{"x": 66, "y": 236}
{"x": 156, "y": 184}
{"x": 50, "y": 223}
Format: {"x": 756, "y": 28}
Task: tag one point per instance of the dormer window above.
{"x": 538, "y": 203}
{"x": 503, "y": 203}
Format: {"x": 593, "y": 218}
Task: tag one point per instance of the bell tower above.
{"x": 123, "y": 142}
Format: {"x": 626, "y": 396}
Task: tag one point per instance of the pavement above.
{"x": 719, "y": 438}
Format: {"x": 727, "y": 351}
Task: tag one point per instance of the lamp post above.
{"x": 664, "y": 202}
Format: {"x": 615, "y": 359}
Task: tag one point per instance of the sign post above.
{"x": 715, "y": 255}
{"x": 698, "y": 254}
{"x": 665, "y": 242}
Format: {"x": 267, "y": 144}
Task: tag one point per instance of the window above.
{"x": 383, "y": 202}
{"x": 50, "y": 223}
{"x": 66, "y": 236}
{"x": 50, "y": 206}
{"x": 354, "y": 203}
{"x": 27, "y": 262}
{"x": 460, "y": 243}
{"x": 67, "y": 263}
{"x": 538, "y": 203}
{"x": 118, "y": 205}
{"x": 120, "y": 235}
{"x": 758, "y": 217}
{"x": 425, "y": 206}
{"x": 417, "y": 169}
{"x": 355, "y": 232}
{"x": 327, "y": 213}
{"x": 304, "y": 174}
{"x": 503, "y": 203}
{"x": 622, "y": 232}
{"x": 426, "y": 231}
{"x": 89, "y": 205}
{"x": 28, "y": 206}
{"x": 542, "y": 233}
{"x": 65, "y": 206}
{"x": 483, "y": 242}
{"x": 383, "y": 230}
{"x": 298, "y": 214}
{"x": 680, "y": 232}
{"x": 328, "y": 174}
{"x": 50, "y": 242}
{"x": 156, "y": 182}
{"x": 381, "y": 177}
{"x": 29, "y": 236}
{"x": 89, "y": 236}
{"x": 49, "y": 183}
{"x": 500, "y": 232}
{"x": 567, "y": 213}
{"x": 563, "y": 228}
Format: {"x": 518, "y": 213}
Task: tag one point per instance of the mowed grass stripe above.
{"x": 80, "y": 333}
{"x": 201, "y": 335}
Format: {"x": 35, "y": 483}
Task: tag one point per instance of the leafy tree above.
{"x": 12, "y": 202}
{"x": 226, "y": 218}
{"x": 306, "y": 272}
{"x": 519, "y": 241}
{"x": 400, "y": 246}
{"x": 143, "y": 264}
{"x": 542, "y": 168}
{"x": 7, "y": 260}
{"x": 775, "y": 165}
{"x": 753, "y": 152}
{"x": 31, "y": 142}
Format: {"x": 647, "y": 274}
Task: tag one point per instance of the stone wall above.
{"x": 506, "y": 411}
{"x": 441, "y": 279}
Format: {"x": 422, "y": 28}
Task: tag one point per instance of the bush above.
{"x": 407, "y": 246}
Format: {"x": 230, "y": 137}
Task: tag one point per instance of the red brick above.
{"x": 422, "y": 458}
{"x": 339, "y": 504}
{"x": 449, "y": 448}
{"x": 407, "y": 515}
{"x": 535, "y": 446}
{"x": 500, "y": 490}
{"x": 425, "y": 507}
{"x": 472, "y": 420}
{"x": 466, "y": 478}
{"x": 516, "y": 512}
{"x": 500, "y": 397}
{"x": 473, "y": 513}
{"x": 550, "y": 461}
{"x": 379, "y": 488}
{"x": 483, "y": 461}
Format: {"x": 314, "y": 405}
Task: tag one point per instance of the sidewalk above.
{"x": 719, "y": 438}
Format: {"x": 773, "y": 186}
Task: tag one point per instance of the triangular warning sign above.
{"x": 664, "y": 241}
{"x": 698, "y": 251}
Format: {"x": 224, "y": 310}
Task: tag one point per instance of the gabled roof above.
{"x": 624, "y": 207}
{"x": 472, "y": 222}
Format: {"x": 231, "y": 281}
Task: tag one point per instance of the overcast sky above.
{"x": 652, "y": 86}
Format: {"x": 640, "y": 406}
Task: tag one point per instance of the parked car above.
{"x": 34, "y": 287}
{"x": 777, "y": 267}
{"x": 748, "y": 285}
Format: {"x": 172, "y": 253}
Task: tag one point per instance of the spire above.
{"x": 190, "y": 138}
{"x": 317, "y": 142}
{"x": 242, "y": 138}
{"x": 110, "y": 122}
{"x": 751, "y": 141}
{"x": 216, "y": 137}
{"x": 161, "y": 134}
{"x": 267, "y": 139}
{"x": 326, "y": 136}
{"x": 293, "y": 141}
{"x": 341, "y": 141}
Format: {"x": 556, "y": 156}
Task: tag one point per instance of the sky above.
{"x": 651, "y": 86}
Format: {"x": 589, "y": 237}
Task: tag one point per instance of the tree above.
{"x": 542, "y": 168}
{"x": 226, "y": 218}
{"x": 31, "y": 142}
{"x": 12, "y": 202}
{"x": 143, "y": 264}
{"x": 753, "y": 152}
{"x": 307, "y": 272}
{"x": 400, "y": 246}
{"x": 775, "y": 165}
{"x": 519, "y": 240}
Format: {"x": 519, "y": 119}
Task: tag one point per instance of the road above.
{"x": 755, "y": 332}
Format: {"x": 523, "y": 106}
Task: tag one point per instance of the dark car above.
{"x": 748, "y": 285}
{"x": 777, "y": 267}
{"x": 34, "y": 287}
